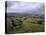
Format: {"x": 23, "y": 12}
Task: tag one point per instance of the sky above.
{"x": 25, "y": 7}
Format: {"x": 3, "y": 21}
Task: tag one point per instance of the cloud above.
{"x": 24, "y": 7}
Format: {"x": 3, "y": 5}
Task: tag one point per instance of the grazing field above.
{"x": 25, "y": 24}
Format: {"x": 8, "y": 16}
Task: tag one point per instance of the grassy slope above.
{"x": 30, "y": 24}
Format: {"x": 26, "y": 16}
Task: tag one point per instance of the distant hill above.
{"x": 23, "y": 14}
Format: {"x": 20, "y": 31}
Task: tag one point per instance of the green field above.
{"x": 24, "y": 24}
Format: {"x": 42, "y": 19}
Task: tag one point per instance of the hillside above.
{"x": 25, "y": 24}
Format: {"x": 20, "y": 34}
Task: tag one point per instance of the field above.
{"x": 25, "y": 24}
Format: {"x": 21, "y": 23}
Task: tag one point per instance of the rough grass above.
{"x": 29, "y": 24}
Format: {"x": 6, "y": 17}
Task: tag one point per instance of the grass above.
{"x": 26, "y": 24}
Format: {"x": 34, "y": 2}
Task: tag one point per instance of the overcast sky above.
{"x": 25, "y": 7}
